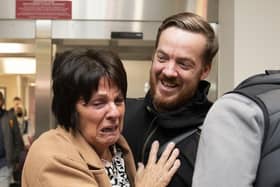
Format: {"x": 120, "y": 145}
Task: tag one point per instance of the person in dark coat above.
{"x": 176, "y": 104}
{"x": 11, "y": 145}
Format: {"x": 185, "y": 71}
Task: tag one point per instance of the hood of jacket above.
{"x": 191, "y": 114}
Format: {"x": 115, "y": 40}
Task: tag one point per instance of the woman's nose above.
{"x": 114, "y": 110}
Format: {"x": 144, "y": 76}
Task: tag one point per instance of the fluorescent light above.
{"x": 12, "y": 65}
{"x": 15, "y": 48}
{"x": 32, "y": 84}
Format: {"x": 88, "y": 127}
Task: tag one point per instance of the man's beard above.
{"x": 167, "y": 104}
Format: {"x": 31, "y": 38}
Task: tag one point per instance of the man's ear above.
{"x": 205, "y": 71}
{"x": 153, "y": 55}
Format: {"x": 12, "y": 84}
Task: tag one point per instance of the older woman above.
{"x": 87, "y": 148}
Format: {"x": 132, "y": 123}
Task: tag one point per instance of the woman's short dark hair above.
{"x": 76, "y": 74}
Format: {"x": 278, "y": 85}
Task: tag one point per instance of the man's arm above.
{"x": 230, "y": 144}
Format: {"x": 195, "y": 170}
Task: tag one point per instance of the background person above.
{"x": 87, "y": 149}
{"x": 177, "y": 100}
{"x": 10, "y": 147}
{"x": 22, "y": 121}
{"x": 24, "y": 126}
{"x": 20, "y": 112}
{"x": 17, "y": 103}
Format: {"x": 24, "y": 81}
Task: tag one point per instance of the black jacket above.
{"x": 12, "y": 138}
{"x": 143, "y": 125}
{"x": 3, "y": 161}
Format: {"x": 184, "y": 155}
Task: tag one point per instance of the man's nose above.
{"x": 170, "y": 69}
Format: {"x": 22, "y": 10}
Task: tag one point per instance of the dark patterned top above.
{"x": 116, "y": 169}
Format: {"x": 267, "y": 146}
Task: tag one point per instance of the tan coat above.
{"x": 59, "y": 159}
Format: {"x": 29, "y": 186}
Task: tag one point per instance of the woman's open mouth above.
{"x": 111, "y": 129}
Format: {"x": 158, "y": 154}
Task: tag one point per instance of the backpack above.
{"x": 264, "y": 90}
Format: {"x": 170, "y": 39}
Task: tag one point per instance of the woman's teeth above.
{"x": 109, "y": 129}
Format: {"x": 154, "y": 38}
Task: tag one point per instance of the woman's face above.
{"x": 101, "y": 120}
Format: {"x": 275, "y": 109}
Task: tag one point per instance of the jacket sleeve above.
{"x": 230, "y": 144}
{"x": 17, "y": 138}
{"x": 2, "y": 145}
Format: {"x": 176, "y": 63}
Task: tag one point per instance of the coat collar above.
{"x": 86, "y": 151}
{"x": 195, "y": 109}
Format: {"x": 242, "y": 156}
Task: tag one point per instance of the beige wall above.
{"x": 249, "y": 40}
{"x": 137, "y": 75}
{"x": 16, "y": 85}
{"x": 9, "y": 82}
{"x": 257, "y": 37}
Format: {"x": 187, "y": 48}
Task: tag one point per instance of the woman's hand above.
{"x": 158, "y": 173}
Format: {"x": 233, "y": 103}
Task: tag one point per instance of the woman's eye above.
{"x": 119, "y": 101}
{"x": 97, "y": 104}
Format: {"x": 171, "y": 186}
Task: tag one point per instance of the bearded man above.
{"x": 176, "y": 104}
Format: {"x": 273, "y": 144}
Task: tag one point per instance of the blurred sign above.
{"x": 43, "y": 9}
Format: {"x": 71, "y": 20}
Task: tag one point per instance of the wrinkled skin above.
{"x": 158, "y": 173}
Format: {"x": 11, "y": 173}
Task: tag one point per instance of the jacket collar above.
{"x": 87, "y": 152}
{"x": 196, "y": 109}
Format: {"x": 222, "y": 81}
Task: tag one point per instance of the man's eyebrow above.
{"x": 186, "y": 59}
{"x": 161, "y": 51}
